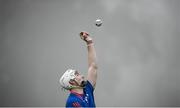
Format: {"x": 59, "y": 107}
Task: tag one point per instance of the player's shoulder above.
{"x": 89, "y": 86}
{"x": 72, "y": 98}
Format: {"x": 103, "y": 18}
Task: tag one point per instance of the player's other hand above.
{"x": 85, "y": 36}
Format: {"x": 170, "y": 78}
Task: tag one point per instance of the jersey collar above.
{"x": 77, "y": 94}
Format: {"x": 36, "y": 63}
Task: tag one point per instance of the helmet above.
{"x": 66, "y": 77}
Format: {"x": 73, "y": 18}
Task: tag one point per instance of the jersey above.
{"x": 82, "y": 100}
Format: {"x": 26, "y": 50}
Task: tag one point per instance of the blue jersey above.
{"x": 82, "y": 100}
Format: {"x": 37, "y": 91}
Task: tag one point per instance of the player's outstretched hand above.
{"x": 85, "y": 36}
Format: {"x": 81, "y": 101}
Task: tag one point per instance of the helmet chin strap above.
{"x": 76, "y": 87}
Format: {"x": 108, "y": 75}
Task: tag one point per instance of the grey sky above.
{"x": 137, "y": 48}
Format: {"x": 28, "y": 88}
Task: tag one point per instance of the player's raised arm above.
{"x": 81, "y": 90}
{"x": 92, "y": 62}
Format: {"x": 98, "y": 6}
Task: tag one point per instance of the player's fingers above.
{"x": 85, "y": 33}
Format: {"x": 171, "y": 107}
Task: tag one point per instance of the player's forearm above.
{"x": 92, "y": 60}
{"x": 91, "y": 50}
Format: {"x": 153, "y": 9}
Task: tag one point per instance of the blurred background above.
{"x": 137, "y": 49}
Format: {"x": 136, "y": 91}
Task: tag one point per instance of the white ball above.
{"x": 98, "y": 22}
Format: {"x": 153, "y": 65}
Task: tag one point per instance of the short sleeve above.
{"x": 89, "y": 86}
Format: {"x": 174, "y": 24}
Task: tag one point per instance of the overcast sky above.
{"x": 137, "y": 49}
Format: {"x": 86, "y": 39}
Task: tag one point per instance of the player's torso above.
{"x": 85, "y": 100}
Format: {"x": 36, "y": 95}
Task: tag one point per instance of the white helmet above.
{"x": 66, "y": 77}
